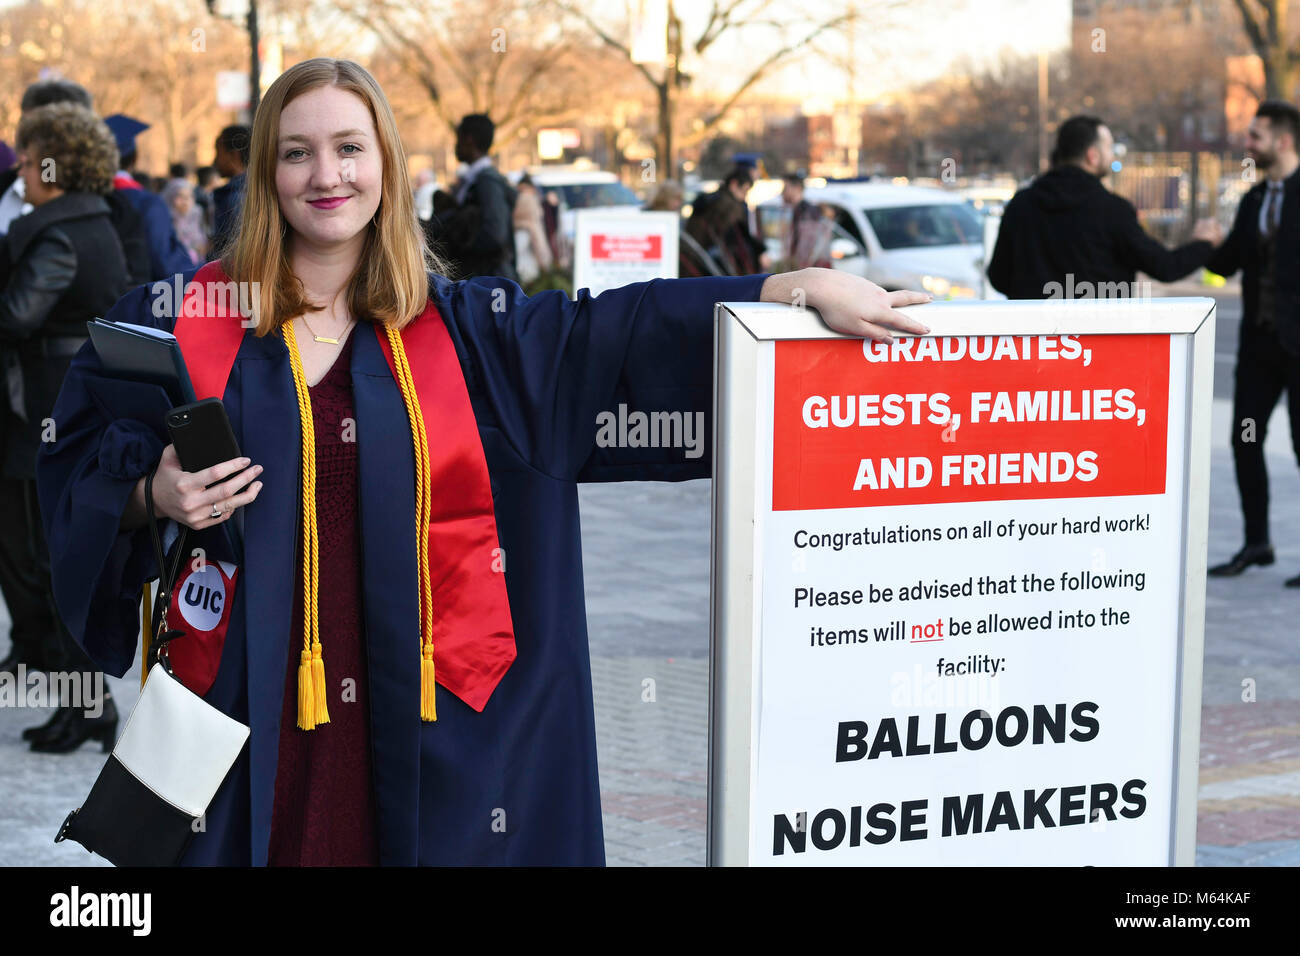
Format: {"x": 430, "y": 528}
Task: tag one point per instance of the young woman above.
{"x": 378, "y": 405}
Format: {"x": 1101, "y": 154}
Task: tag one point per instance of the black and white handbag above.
{"x": 173, "y": 754}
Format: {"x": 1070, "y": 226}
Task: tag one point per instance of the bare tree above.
{"x": 734, "y": 20}
{"x": 165, "y": 57}
{"x": 482, "y": 56}
{"x": 1273, "y": 39}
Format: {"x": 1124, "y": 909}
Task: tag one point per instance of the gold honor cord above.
{"x": 424, "y": 509}
{"x": 312, "y": 709}
{"x": 311, "y": 667}
{"x": 311, "y": 670}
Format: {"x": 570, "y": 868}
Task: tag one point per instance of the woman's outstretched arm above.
{"x": 547, "y": 370}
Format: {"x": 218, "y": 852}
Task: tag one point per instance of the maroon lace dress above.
{"x": 324, "y": 812}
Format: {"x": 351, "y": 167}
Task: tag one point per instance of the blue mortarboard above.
{"x": 124, "y": 129}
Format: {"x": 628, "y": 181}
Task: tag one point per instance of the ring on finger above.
{"x": 216, "y": 511}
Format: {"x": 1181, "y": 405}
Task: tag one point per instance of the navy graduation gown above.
{"x": 517, "y": 783}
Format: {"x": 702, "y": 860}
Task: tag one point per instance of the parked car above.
{"x": 899, "y": 237}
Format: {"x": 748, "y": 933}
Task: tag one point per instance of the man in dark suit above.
{"x": 1265, "y": 245}
{"x": 472, "y": 228}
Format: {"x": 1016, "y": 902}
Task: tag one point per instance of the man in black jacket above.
{"x": 1068, "y": 236}
{"x": 473, "y": 229}
{"x": 1265, "y": 245}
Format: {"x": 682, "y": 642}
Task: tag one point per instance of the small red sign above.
{"x": 625, "y": 248}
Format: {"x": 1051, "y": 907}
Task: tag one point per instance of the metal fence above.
{"x": 1172, "y": 190}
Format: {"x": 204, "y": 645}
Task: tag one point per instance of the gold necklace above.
{"x": 323, "y": 338}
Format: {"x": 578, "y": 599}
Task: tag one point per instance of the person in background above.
{"x": 426, "y": 184}
{"x": 166, "y": 254}
{"x": 177, "y": 171}
{"x": 12, "y": 203}
{"x": 473, "y": 226}
{"x": 720, "y": 224}
{"x": 31, "y": 616}
{"x": 1265, "y": 245}
{"x": 231, "y": 161}
{"x": 561, "y": 254}
{"x": 187, "y": 219}
{"x": 807, "y": 238}
{"x": 207, "y": 181}
{"x": 66, "y": 267}
{"x": 1067, "y": 230}
{"x": 532, "y": 251}
{"x": 668, "y": 197}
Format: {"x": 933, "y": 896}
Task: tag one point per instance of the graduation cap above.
{"x": 125, "y": 129}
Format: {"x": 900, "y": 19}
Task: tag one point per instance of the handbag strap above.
{"x": 166, "y": 581}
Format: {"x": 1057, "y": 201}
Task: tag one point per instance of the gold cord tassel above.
{"x": 311, "y": 667}
{"x": 424, "y": 512}
{"x": 318, "y": 684}
{"x": 306, "y": 699}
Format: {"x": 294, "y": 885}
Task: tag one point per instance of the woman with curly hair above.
{"x": 65, "y": 265}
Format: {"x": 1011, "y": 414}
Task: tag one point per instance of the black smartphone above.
{"x": 202, "y": 435}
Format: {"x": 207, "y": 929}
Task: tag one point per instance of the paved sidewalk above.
{"x": 646, "y": 549}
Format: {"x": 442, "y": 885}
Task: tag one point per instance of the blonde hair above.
{"x": 80, "y": 146}
{"x": 390, "y": 285}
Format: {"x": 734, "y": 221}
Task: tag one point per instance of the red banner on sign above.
{"x": 627, "y": 248}
{"x": 985, "y": 418}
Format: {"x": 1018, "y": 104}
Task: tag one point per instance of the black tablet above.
{"x": 142, "y": 354}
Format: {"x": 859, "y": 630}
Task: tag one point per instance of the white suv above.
{"x": 899, "y": 237}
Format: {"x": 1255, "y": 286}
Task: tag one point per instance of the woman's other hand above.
{"x": 847, "y": 303}
{"x": 184, "y": 496}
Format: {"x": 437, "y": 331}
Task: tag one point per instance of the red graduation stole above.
{"x": 472, "y": 631}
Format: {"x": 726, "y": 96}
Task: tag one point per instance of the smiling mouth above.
{"x": 328, "y": 203}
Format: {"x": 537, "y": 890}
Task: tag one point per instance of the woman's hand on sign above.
{"x": 847, "y": 303}
{"x": 185, "y": 497}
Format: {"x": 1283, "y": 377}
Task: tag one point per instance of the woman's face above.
{"x": 328, "y": 171}
{"x": 35, "y": 190}
{"x": 182, "y": 203}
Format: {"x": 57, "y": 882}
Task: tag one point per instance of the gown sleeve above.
{"x": 102, "y": 444}
{"x": 547, "y": 366}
